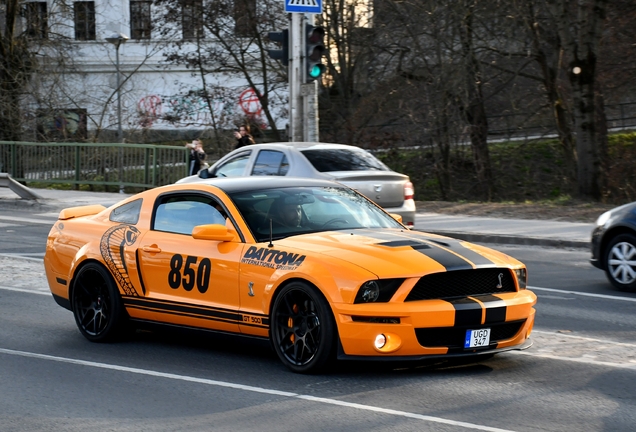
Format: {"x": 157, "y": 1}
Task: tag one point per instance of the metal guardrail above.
{"x": 123, "y": 165}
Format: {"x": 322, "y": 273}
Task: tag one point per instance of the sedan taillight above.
{"x": 409, "y": 191}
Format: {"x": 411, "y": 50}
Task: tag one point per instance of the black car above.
{"x": 614, "y": 246}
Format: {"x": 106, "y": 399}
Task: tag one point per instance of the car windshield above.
{"x": 327, "y": 160}
{"x": 302, "y": 210}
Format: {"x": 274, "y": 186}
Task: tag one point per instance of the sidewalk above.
{"x": 470, "y": 228}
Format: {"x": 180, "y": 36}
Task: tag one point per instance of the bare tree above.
{"x": 17, "y": 63}
{"x": 580, "y": 27}
{"x": 229, "y": 41}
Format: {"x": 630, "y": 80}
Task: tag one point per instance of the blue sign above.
{"x": 303, "y": 6}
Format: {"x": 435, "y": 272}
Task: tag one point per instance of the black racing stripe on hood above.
{"x": 433, "y": 248}
{"x": 495, "y": 308}
{"x": 412, "y": 243}
{"x": 467, "y": 312}
{"x": 457, "y": 246}
{"x": 448, "y": 259}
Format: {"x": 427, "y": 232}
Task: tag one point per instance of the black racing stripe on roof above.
{"x": 467, "y": 312}
{"x": 495, "y": 308}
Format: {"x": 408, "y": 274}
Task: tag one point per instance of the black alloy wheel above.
{"x": 620, "y": 262}
{"x": 302, "y": 329}
{"x": 97, "y": 304}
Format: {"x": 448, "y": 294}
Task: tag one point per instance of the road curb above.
{"x": 514, "y": 240}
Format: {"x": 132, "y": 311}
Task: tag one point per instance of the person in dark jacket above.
{"x": 243, "y": 136}
{"x": 197, "y": 156}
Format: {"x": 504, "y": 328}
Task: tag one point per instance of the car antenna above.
{"x": 270, "y": 234}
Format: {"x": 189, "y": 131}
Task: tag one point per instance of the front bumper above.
{"x": 434, "y": 328}
{"x": 525, "y": 345}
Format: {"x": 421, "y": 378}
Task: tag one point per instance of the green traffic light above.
{"x": 316, "y": 70}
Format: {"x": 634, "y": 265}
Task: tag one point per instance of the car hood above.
{"x": 398, "y": 253}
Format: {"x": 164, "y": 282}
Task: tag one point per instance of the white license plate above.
{"x": 477, "y": 338}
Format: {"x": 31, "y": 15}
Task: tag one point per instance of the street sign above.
{"x": 303, "y": 6}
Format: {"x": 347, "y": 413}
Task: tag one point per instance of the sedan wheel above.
{"x": 620, "y": 262}
{"x": 96, "y": 303}
{"x": 302, "y": 329}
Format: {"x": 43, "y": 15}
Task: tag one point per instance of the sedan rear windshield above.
{"x": 327, "y": 160}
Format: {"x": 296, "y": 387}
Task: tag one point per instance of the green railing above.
{"x": 107, "y": 164}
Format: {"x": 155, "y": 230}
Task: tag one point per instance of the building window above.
{"x": 36, "y": 20}
{"x": 245, "y": 17}
{"x": 84, "y": 20}
{"x": 192, "y": 22}
{"x": 140, "y": 19}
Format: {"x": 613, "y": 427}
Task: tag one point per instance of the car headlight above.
{"x": 522, "y": 278}
{"x": 377, "y": 291}
{"x": 602, "y": 219}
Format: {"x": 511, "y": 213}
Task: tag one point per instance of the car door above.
{"x": 188, "y": 281}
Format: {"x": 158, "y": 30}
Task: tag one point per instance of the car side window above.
{"x": 234, "y": 167}
{"x": 329, "y": 160}
{"x": 127, "y": 213}
{"x": 180, "y": 214}
{"x": 270, "y": 163}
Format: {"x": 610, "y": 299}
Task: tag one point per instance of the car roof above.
{"x": 241, "y": 184}
{"x": 305, "y": 146}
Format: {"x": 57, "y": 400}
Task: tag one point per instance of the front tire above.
{"x": 620, "y": 262}
{"x": 97, "y": 305}
{"x": 302, "y": 329}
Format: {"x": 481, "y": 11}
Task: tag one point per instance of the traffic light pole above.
{"x": 310, "y": 102}
{"x": 296, "y": 71}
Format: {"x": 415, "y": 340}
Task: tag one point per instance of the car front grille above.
{"x": 462, "y": 283}
{"x": 453, "y": 337}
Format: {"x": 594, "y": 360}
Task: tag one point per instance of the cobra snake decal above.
{"x": 111, "y": 247}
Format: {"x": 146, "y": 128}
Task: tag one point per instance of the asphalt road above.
{"x": 579, "y": 375}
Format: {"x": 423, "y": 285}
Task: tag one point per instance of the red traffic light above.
{"x": 315, "y": 34}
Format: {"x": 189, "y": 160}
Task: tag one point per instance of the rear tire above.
{"x": 302, "y": 328}
{"x": 97, "y": 304}
{"x": 620, "y": 262}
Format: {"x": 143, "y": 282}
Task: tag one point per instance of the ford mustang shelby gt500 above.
{"x": 314, "y": 266}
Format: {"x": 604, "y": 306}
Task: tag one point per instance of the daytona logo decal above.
{"x": 272, "y": 258}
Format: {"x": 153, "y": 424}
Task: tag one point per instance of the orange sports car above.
{"x": 314, "y": 266}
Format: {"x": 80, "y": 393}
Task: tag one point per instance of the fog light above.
{"x": 380, "y": 341}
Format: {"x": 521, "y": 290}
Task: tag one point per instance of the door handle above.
{"x": 151, "y": 249}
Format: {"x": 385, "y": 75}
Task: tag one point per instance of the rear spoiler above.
{"x": 75, "y": 212}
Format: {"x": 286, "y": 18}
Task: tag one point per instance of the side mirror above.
{"x": 204, "y": 173}
{"x": 396, "y": 216}
{"x": 214, "y": 232}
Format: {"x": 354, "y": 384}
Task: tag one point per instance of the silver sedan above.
{"x": 349, "y": 165}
